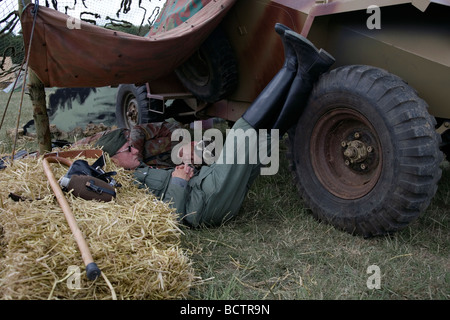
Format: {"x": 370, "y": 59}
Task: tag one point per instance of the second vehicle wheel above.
{"x": 365, "y": 154}
{"x": 133, "y": 106}
{"x": 211, "y": 73}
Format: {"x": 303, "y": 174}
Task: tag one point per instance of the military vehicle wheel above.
{"x": 211, "y": 73}
{"x": 365, "y": 155}
{"x": 132, "y": 106}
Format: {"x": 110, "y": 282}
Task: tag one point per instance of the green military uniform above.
{"x": 213, "y": 196}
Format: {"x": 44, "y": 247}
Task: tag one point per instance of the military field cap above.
{"x": 112, "y": 141}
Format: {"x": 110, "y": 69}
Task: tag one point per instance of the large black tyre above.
{"x": 211, "y": 73}
{"x": 133, "y": 106}
{"x": 365, "y": 155}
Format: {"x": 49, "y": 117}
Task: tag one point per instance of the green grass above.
{"x": 275, "y": 249}
{"x": 10, "y": 121}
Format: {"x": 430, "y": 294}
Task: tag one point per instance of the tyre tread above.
{"x": 419, "y": 152}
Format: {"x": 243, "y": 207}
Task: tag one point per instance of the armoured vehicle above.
{"x": 365, "y": 153}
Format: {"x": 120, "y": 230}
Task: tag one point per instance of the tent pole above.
{"x": 38, "y": 99}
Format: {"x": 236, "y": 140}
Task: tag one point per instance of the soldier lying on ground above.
{"x": 214, "y": 194}
{"x": 146, "y": 143}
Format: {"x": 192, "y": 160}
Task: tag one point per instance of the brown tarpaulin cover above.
{"x": 92, "y": 56}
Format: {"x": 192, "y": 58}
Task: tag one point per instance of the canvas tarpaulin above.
{"x": 64, "y": 54}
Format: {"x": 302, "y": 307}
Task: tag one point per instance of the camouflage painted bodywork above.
{"x": 413, "y": 43}
{"x": 176, "y": 13}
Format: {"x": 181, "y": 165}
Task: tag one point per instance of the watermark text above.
{"x": 374, "y": 280}
{"x": 374, "y": 21}
{"x": 251, "y": 147}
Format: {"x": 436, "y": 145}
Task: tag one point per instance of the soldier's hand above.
{"x": 184, "y": 172}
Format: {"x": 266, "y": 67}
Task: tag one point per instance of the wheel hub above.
{"x": 358, "y": 154}
{"x": 345, "y": 153}
{"x": 132, "y": 112}
{"x": 355, "y": 151}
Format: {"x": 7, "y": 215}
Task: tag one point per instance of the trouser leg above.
{"x": 224, "y": 185}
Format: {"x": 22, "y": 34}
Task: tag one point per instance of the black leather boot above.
{"x": 311, "y": 64}
{"x": 265, "y": 108}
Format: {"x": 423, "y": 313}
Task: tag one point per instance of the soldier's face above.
{"x": 127, "y": 157}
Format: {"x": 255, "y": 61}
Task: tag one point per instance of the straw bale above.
{"x": 134, "y": 239}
